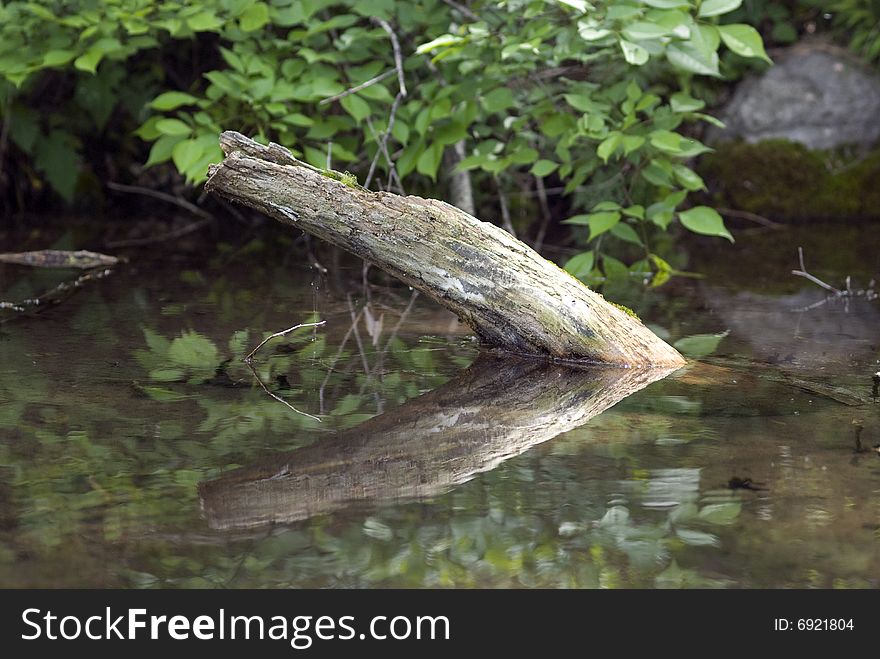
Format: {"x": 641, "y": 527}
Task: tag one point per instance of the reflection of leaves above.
{"x": 699, "y": 345}
{"x": 194, "y": 350}
{"x": 697, "y": 538}
{"x": 676, "y": 577}
{"x": 721, "y": 513}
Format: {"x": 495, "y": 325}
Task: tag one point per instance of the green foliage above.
{"x": 596, "y": 95}
{"x": 857, "y": 22}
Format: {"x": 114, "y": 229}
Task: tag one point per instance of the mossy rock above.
{"x": 786, "y": 181}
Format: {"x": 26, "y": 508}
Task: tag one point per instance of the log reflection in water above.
{"x": 492, "y": 411}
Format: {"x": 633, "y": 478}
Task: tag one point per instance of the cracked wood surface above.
{"x": 510, "y": 296}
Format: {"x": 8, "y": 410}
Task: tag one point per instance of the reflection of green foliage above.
{"x": 699, "y": 345}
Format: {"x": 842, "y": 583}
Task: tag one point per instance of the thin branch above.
{"x": 395, "y": 44}
{"x": 505, "y": 210}
{"x": 336, "y": 358}
{"x": 277, "y": 397}
{"x": 806, "y": 275}
{"x": 545, "y": 213}
{"x": 171, "y": 235}
{"x": 171, "y": 199}
{"x": 752, "y": 217}
{"x": 464, "y": 10}
{"x": 250, "y": 355}
{"x": 382, "y": 143}
{"x": 357, "y": 88}
{"x": 357, "y": 337}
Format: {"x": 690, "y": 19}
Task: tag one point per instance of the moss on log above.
{"x": 513, "y": 298}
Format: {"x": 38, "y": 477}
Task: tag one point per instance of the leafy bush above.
{"x": 593, "y": 96}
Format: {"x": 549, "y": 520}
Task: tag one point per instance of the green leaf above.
{"x": 439, "y": 42}
{"x": 172, "y": 100}
{"x": 699, "y": 345}
{"x": 254, "y": 17}
{"x": 544, "y": 168}
{"x": 185, "y": 154}
{"x": 579, "y": 5}
{"x": 498, "y": 99}
{"x": 172, "y": 127}
{"x": 705, "y": 221}
{"x": 717, "y": 7}
{"x": 429, "y": 162}
{"x": 633, "y": 52}
{"x": 686, "y": 57}
{"x": 161, "y": 150}
{"x": 601, "y": 222}
{"x": 57, "y": 57}
{"x": 666, "y": 140}
{"x": 626, "y": 233}
{"x": 637, "y": 211}
{"x": 581, "y": 264}
{"x": 356, "y": 107}
{"x": 89, "y": 60}
{"x": 688, "y": 178}
{"x": 641, "y": 30}
{"x": 666, "y": 4}
{"x": 205, "y": 21}
{"x": 743, "y": 40}
{"x": 608, "y": 146}
{"x": 606, "y": 206}
{"x": 682, "y": 102}
{"x": 631, "y": 143}
{"x": 589, "y": 32}
{"x": 664, "y": 271}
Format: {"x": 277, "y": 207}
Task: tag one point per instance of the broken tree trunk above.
{"x": 506, "y": 292}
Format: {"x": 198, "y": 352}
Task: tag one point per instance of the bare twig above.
{"x": 751, "y": 217}
{"x": 164, "y": 196}
{"x": 505, "y": 210}
{"x": 336, "y": 359}
{"x": 250, "y": 355}
{"x": 357, "y": 336}
{"x": 357, "y": 88}
{"x": 171, "y": 235}
{"x": 806, "y": 275}
{"x": 465, "y": 11}
{"x": 395, "y": 44}
{"x": 545, "y": 213}
{"x": 276, "y": 396}
{"x": 382, "y": 143}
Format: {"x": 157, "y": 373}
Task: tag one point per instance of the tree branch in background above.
{"x": 357, "y": 88}
{"x": 164, "y": 196}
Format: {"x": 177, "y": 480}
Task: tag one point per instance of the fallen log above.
{"x": 490, "y": 412}
{"x": 511, "y": 297}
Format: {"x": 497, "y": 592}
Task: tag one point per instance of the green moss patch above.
{"x": 786, "y": 181}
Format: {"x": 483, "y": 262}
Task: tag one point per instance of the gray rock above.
{"x": 813, "y": 95}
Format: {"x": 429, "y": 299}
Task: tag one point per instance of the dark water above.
{"x": 138, "y": 450}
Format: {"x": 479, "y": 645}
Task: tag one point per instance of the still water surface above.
{"x": 138, "y": 450}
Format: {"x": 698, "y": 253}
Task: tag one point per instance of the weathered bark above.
{"x": 505, "y": 291}
{"x": 492, "y": 411}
